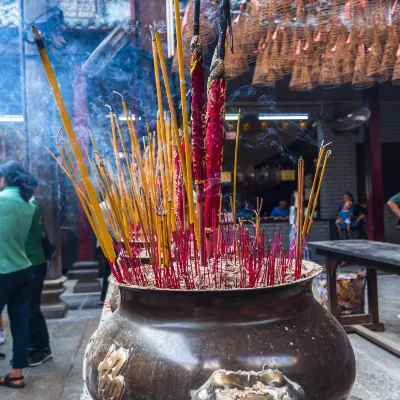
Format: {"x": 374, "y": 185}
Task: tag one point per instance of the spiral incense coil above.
{"x": 330, "y": 76}
{"x": 389, "y": 54}
{"x": 301, "y": 80}
{"x": 275, "y": 59}
{"x": 253, "y": 31}
{"x": 236, "y": 63}
{"x": 315, "y": 70}
{"x": 286, "y": 63}
{"x": 396, "y": 70}
{"x": 374, "y": 66}
{"x": 263, "y": 73}
{"x": 360, "y": 79}
{"x": 309, "y": 47}
{"x": 208, "y": 33}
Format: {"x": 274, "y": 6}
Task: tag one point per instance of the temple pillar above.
{"x": 373, "y": 159}
{"x": 86, "y": 269}
{"x": 41, "y": 129}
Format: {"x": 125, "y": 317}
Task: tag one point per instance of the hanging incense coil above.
{"x": 374, "y": 66}
{"x": 236, "y": 62}
{"x": 396, "y": 70}
{"x": 253, "y": 31}
{"x": 360, "y": 78}
{"x": 350, "y": 51}
{"x": 285, "y": 58}
{"x": 389, "y": 54}
{"x": 264, "y": 74}
{"x": 301, "y": 80}
{"x": 330, "y": 76}
{"x": 275, "y": 60}
{"x": 208, "y": 33}
{"x": 309, "y": 47}
{"x": 315, "y": 70}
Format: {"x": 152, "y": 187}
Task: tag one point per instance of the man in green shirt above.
{"x": 39, "y": 344}
{"x": 394, "y": 204}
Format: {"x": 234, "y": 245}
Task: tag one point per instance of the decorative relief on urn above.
{"x": 269, "y": 384}
{"x": 87, "y": 352}
{"x": 111, "y": 383}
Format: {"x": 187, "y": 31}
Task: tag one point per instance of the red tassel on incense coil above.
{"x": 214, "y": 138}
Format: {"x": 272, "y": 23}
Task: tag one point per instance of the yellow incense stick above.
{"x": 175, "y": 127}
{"x": 327, "y": 155}
{"x": 310, "y": 200}
{"x": 182, "y": 85}
{"x": 108, "y": 243}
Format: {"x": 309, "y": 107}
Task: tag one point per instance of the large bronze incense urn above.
{"x": 174, "y": 344}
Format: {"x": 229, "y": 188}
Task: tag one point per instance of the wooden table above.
{"x": 373, "y": 256}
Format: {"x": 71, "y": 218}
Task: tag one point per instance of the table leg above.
{"x": 331, "y": 281}
{"x": 373, "y": 309}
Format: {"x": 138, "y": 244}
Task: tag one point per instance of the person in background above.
{"x": 16, "y": 276}
{"x": 356, "y": 216}
{"x": 394, "y": 205}
{"x": 39, "y": 343}
{"x": 343, "y": 221}
{"x": 281, "y": 212}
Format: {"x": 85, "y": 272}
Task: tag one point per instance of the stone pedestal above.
{"x": 52, "y": 306}
{"x": 87, "y": 273}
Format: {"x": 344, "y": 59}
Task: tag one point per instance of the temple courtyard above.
{"x": 378, "y": 372}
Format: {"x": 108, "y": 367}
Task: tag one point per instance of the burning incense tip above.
{"x": 119, "y": 94}
{"x": 38, "y": 37}
{"x": 153, "y": 37}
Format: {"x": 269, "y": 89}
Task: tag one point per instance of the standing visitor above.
{"x": 16, "y": 276}
{"x": 39, "y": 345}
{"x": 394, "y": 204}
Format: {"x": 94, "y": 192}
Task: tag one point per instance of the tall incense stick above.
{"x": 189, "y": 180}
{"x": 110, "y": 252}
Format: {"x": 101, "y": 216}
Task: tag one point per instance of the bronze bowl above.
{"x": 166, "y": 344}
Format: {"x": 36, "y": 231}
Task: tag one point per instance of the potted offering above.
{"x": 207, "y": 310}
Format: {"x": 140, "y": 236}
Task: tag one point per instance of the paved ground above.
{"x": 378, "y": 372}
{"x": 61, "y": 377}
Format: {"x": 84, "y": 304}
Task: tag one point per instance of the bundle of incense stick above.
{"x": 140, "y": 205}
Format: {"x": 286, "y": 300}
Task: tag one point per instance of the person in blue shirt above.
{"x": 281, "y": 212}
